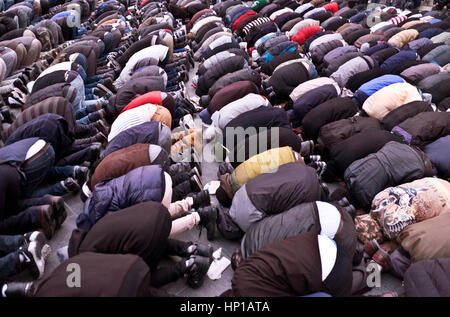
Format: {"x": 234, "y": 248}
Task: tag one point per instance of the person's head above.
{"x": 223, "y": 197}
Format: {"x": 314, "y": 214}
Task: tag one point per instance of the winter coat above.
{"x": 231, "y": 93}
{"x": 395, "y": 163}
{"x": 395, "y": 60}
{"x": 240, "y": 75}
{"x": 146, "y": 183}
{"x": 50, "y": 127}
{"x": 404, "y": 37}
{"x": 131, "y": 90}
{"x": 419, "y": 72}
{"x": 272, "y": 193}
{"x": 318, "y": 52}
{"x": 339, "y": 61}
{"x": 337, "y": 131}
{"x": 427, "y": 240}
{"x": 262, "y": 140}
{"x": 301, "y": 36}
{"x": 298, "y": 219}
{"x": 372, "y": 86}
{"x": 223, "y": 116}
{"x": 310, "y": 85}
{"x": 311, "y": 99}
{"x": 302, "y": 25}
{"x": 56, "y": 105}
{"x": 353, "y": 66}
{"x": 328, "y": 111}
{"x": 389, "y": 98}
{"x": 124, "y": 160}
{"x": 227, "y": 66}
{"x": 428, "y": 278}
{"x": 286, "y": 78}
{"x": 357, "y": 147}
{"x": 152, "y": 132}
{"x": 404, "y": 112}
{"x": 424, "y": 128}
{"x": 154, "y": 97}
{"x": 439, "y": 152}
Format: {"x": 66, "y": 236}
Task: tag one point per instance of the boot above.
{"x": 201, "y": 199}
{"x": 208, "y": 219}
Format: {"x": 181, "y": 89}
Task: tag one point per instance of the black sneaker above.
{"x": 33, "y": 260}
{"x": 80, "y": 174}
{"x": 201, "y": 199}
{"x": 196, "y": 273}
{"x": 208, "y": 219}
{"x": 198, "y": 249}
{"x": 20, "y": 289}
{"x": 71, "y": 185}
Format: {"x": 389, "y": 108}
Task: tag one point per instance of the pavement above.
{"x": 210, "y": 288}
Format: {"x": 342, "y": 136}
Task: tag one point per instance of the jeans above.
{"x": 9, "y": 257}
{"x": 90, "y": 118}
{"x": 41, "y": 169}
{"x": 83, "y": 112}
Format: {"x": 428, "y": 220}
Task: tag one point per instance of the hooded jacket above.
{"x": 146, "y": 183}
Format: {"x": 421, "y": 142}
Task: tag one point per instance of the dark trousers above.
{"x": 25, "y": 221}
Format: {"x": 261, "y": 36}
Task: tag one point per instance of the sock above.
{"x": 189, "y": 263}
{"x": 21, "y": 258}
{"x": 191, "y": 248}
{"x": 4, "y": 289}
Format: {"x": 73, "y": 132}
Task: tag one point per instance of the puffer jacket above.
{"x": 340, "y": 60}
{"x": 353, "y": 66}
{"x": 392, "y": 62}
{"x": 337, "y": 131}
{"x": 389, "y": 98}
{"x": 302, "y": 25}
{"x": 251, "y": 101}
{"x": 329, "y": 111}
{"x": 310, "y": 100}
{"x": 439, "y": 152}
{"x": 152, "y": 132}
{"x": 371, "y": 87}
{"x": 394, "y": 164}
{"x": 229, "y": 65}
{"x": 428, "y": 278}
{"x": 273, "y": 193}
{"x": 415, "y": 74}
{"x": 286, "y": 78}
{"x": 243, "y": 74}
{"x": 357, "y": 147}
{"x": 231, "y": 93}
{"x": 404, "y": 37}
{"x": 404, "y": 112}
{"x": 424, "y": 128}
{"x": 301, "y": 36}
{"x": 146, "y": 183}
{"x": 312, "y": 84}
{"x": 318, "y": 52}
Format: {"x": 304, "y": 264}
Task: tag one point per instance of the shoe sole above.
{"x": 47, "y": 222}
{"x": 37, "y": 256}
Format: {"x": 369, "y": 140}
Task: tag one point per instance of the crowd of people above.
{"x": 345, "y": 159}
